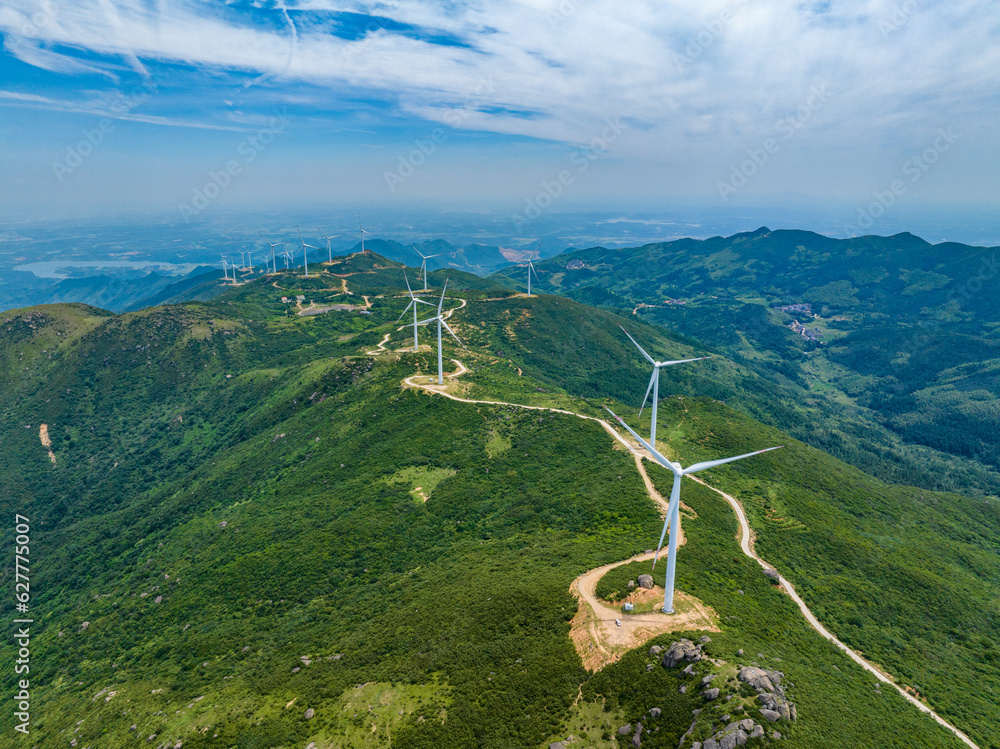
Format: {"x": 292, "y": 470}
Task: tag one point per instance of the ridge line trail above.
{"x": 586, "y": 583}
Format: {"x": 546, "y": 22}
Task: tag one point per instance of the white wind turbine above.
{"x": 440, "y": 321}
{"x": 225, "y": 268}
{"x": 287, "y": 254}
{"x": 273, "y": 245}
{"x": 531, "y": 269}
{"x": 305, "y": 252}
{"x": 414, "y": 301}
{"x": 328, "y": 238}
{"x": 654, "y": 381}
{"x": 362, "y": 232}
{"x": 673, "y": 509}
{"x": 423, "y": 265}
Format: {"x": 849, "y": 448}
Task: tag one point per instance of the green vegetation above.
{"x": 906, "y": 384}
{"x": 232, "y": 515}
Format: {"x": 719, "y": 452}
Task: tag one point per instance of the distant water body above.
{"x": 52, "y": 268}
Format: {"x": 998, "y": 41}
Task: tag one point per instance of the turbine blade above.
{"x": 442, "y": 295}
{"x": 408, "y": 285}
{"x": 713, "y": 463}
{"x": 652, "y": 379}
{"x": 675, "y": 498}
{"x": 446, "y": 327}
{"x": 653, "y": 451}
{"x": 648, "y": 357}
{"x": 680, "y": 361}
{"x": 663, "y": 535}
{"x": 405, "y": 311}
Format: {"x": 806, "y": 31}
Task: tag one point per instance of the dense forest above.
{"x": 246, "y": 516}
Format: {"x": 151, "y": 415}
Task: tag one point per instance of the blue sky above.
{"x": 128, "y": 105}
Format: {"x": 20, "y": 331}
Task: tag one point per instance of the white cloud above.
{"x": 714, "y": 76}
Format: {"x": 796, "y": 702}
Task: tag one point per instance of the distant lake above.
{"x": 51, "y": 268}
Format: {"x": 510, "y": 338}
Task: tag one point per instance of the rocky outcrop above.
{"x": 685, "y": 650}
{"x": 646, "y": 581}
{"x": 770, "y": 693}
{"x": 735, "y": 734}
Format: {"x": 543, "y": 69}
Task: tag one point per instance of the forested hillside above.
{"x": 246, "y": 531}
{"x": 889, "y": 343}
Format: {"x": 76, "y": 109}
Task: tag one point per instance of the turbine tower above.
{"x": 328, "y": 238}
{"x": 362, "y": 232}
{"x": 225, "y": 267}
{"x": 423, "y": 265}
{"x": 440, "y": 321}
{"x": 673, "y": 509}
{"x": 414, "y": 301}
{"x": 305, "y": 252}
{"x": 273, "y": 245}
{"x": 654, "y": 381}
{"x": 531, "y": 269}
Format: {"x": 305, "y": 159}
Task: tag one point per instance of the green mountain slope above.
{"x": 904, "y": 380}
{"x": 234, "y": 514}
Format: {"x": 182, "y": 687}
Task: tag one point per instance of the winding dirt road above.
{"x": 607, "y": 639}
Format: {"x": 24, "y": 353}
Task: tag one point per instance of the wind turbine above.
{"x": 305, "y": 258}
{"x": 273, "y": 245}
{"x": 362, "y": 232}
{"x": 531, "y": 269}
{"x": 328, "y": 238}
{"x": 225, "y": 268}
{"x": 414, "y": 301}
{"x": 288, "y": 256}
{"x": 423, "y": 265}
{"x": 654, "y": 381}
{"x": 673, "y": 509}
{"x": 440, "y": 321}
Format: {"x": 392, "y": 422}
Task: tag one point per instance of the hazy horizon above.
{"x": 879, "y": 112}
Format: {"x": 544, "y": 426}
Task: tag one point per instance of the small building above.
{"x": 284, "y": 300}
{"x": 628, "y": 607}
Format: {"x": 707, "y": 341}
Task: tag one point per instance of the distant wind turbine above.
{"x": 225, "y": 267}
{"x": 362, "y": 232}
{"x": 423, "y": 265}
{"x": 414, "y": 301}
{"x": 531, "y": 269}
{"x": 287, "y": 254}
{"x": 654, "y": 381}
{"x": 273, "y": 245}
{"x": 328, "y": 238}
{"x": 440, "y": 321}
{"x": 673, "y": 509}
{"x": 305, "y": 258}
